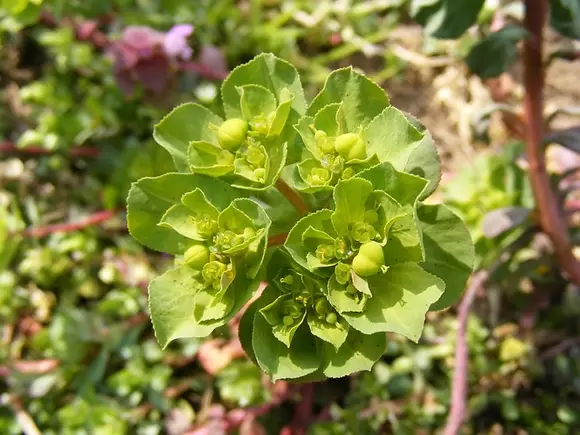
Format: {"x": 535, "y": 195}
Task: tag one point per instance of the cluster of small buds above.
{"x": 337, "y": 155}
{"x": 325, "y": 312}
{"x": 240, "y": 140}
{"x": 213, "y": 256}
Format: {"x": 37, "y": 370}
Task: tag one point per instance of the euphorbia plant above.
{"x": 361, "y": 255}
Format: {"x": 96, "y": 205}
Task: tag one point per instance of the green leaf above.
{"x": 392, "y": 137}
{"x": 179, "y": 216}
{"x": 208, "y": 306}
{"x": 565, "y": 17}
{"x": 206, "y": 158}
{"x": 265, "y": 70}
{"x": 294, "y": 242}
{"x": 149, "y": 199}
{"x": 424, "y": 162}
{"x": 277, "y": 360}
{"x": 333, "y": 334}
{"x": 401, "y": 298}
{"x": 404, "y": 188}
{"x": 279, "y": 123}
{"x": 174, "y": 309}
{"x": 449, "y": 250}
{"x": 358, "y": 353}
{"x": 184, "y": 124}
{"x": 361, "y": 284}
{"x": 361, "y": 98}
{"x": 326, "y": 119}
{"x": 171, "y": 305}
{"x": 307, "y": 134}
{"x": 446, "y": 19}
{"x": 496, "y": 53}
{"x": 233, "y": 219}
{"x": 261, "y": 221}
{"x": 341, "y": 300}
{"x": 404, "y": 241}
{"x": 256, "y": 101}
{"x": 389, "y": 212}
{"x": 350, "y": 197}
{"x": 273, "y": 313}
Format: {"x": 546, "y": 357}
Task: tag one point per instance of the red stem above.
{"x": 94, "y": 219}
{"x": 292, "y": 196}
{"x": 303, "y": 416}
{"x": 81, "y": 151}
{"x": 277, "y": 240}
{"x": 459, "y": 381}
{"x": 551, "y": 217}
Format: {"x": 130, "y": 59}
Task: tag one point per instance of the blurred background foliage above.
{"x": 80, "y": 97}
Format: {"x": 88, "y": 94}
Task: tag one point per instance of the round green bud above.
{"x": 320, "y": 135}
{"x": 249, "y": 233}
{"x": 260, "y": 173}
{"x": 351, "y": 289}
{"x": 331, "y": 318}
{"x": 288, "y": 320}
{"x": 369, "y": 260}
{"x": 342, "y": 273}
{"x": 321, "y": 306}
{"x": 350, "y": 146}
{"x": 325, "y": 143}
{"x": 196, "y": 256}
{"x": 232, "y": 133}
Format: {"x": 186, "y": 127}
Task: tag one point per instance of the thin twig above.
{"x": 551, "y": 218}
{"x": 37, "y": 367}
{"x": 292, "y": 196}
{"x": 23, "y": 418}
{"x": 477, "y": 282}
{"x": 94, "y": 219}
{"x": 459, "y": 382}
{"x": 81, "y": 151}
{"x": 559, "y": 348}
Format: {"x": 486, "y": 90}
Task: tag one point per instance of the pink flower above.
{"x": 143, "y": 40}
{"x": 175, "y": 42}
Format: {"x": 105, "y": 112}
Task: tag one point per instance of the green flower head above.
{"x": 323, "y": 202}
